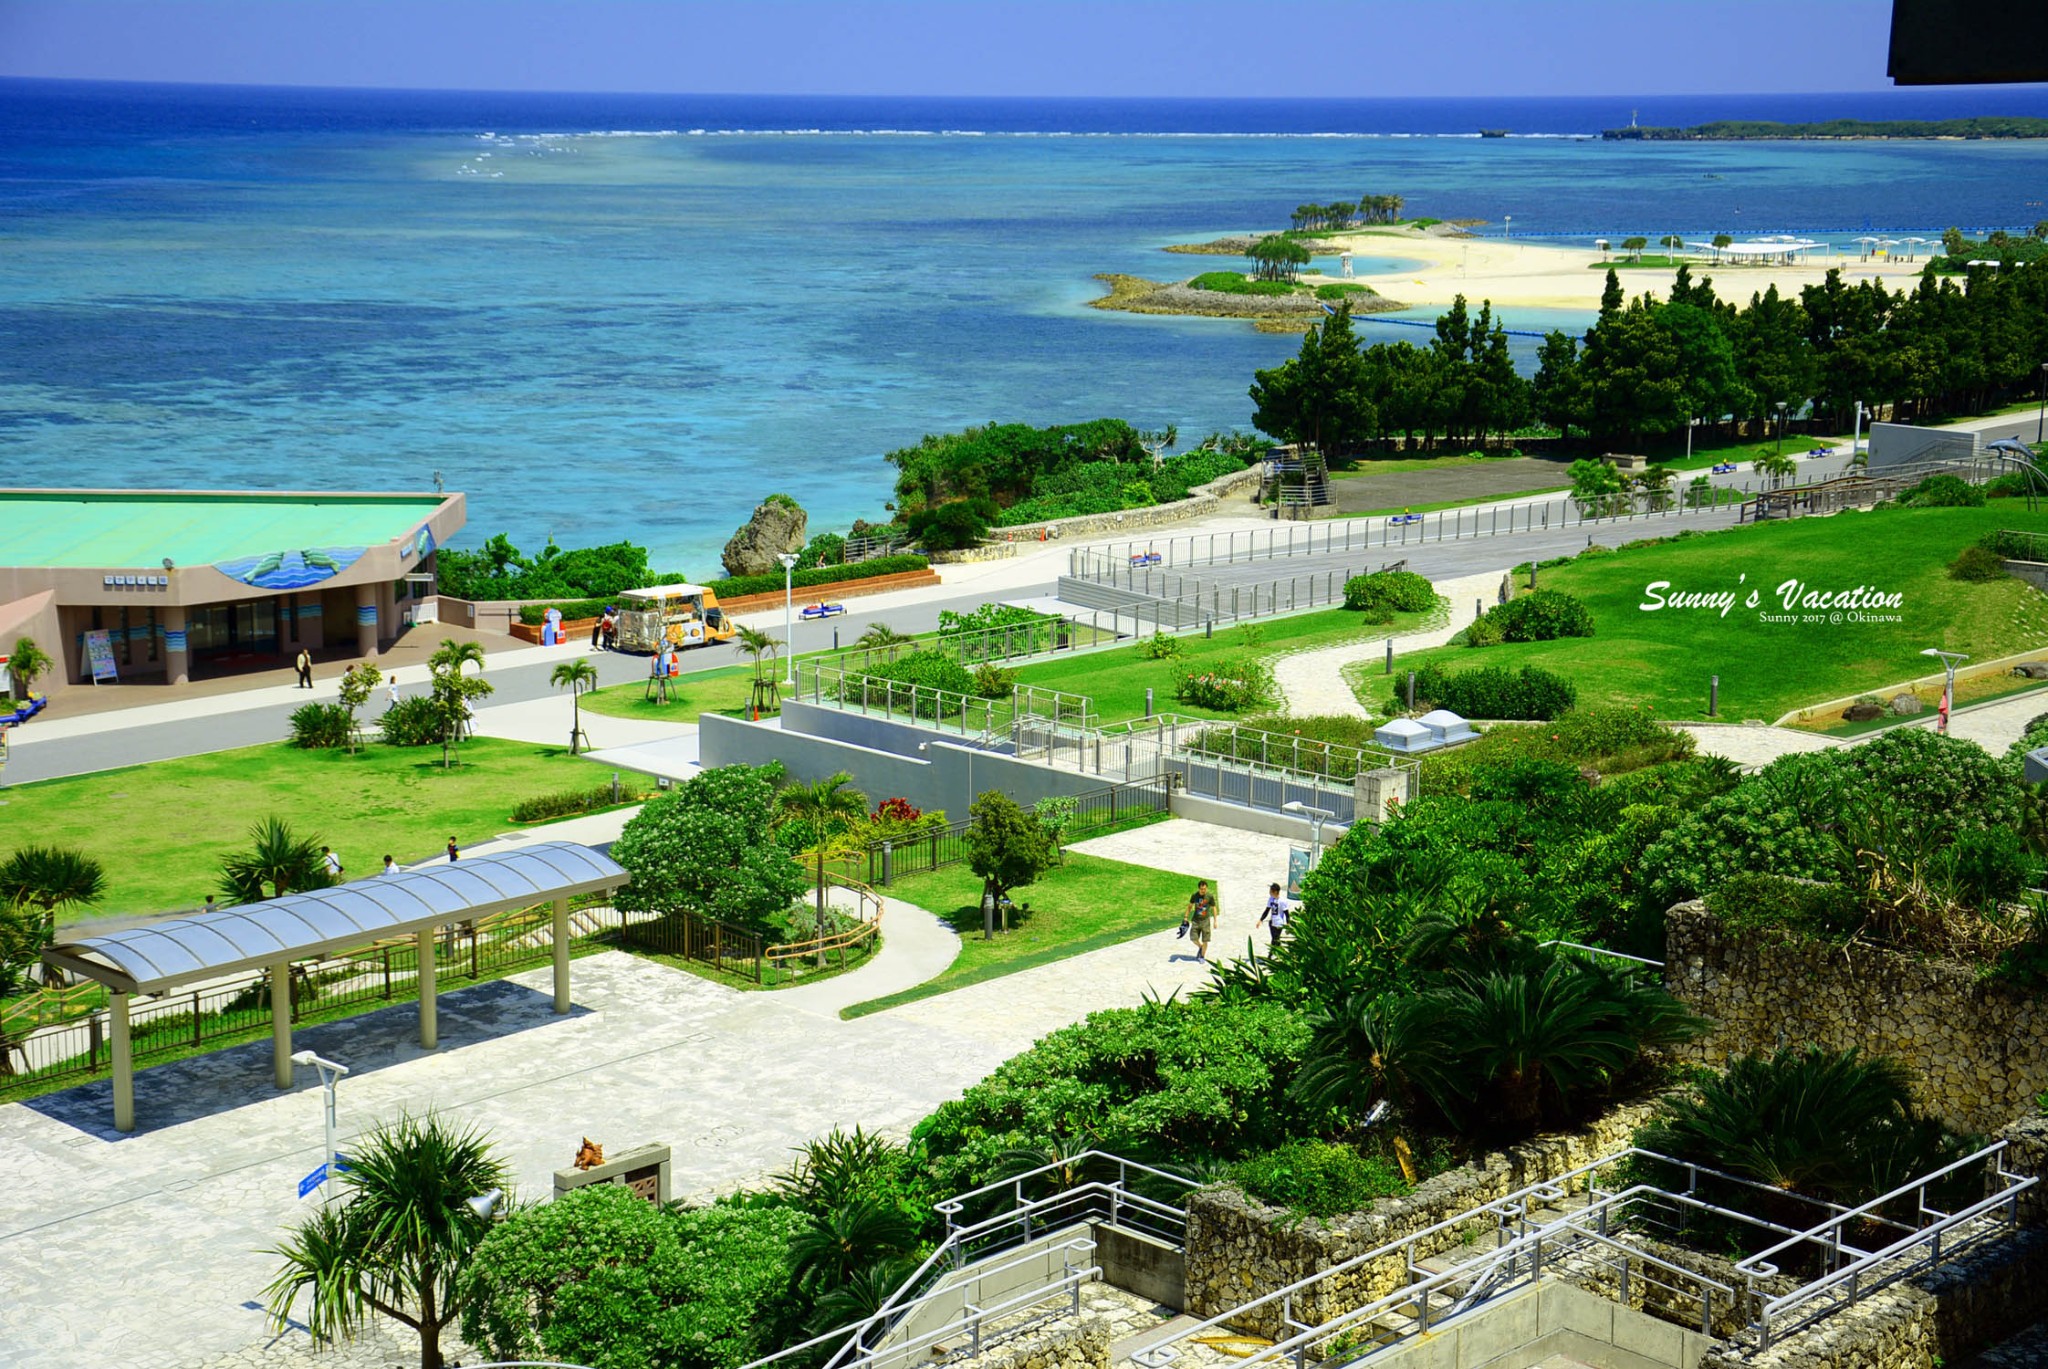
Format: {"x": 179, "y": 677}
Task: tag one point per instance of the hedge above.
{"x": 1495, "y": 692}
{"x": 734, "y": 586}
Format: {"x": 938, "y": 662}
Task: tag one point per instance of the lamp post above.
{"x": 1948, "y": 688}
{"x": 1316, "y": 818}
{"x": 1779, "y": 450}
{"x": 788, "y": 559}
{"x": 2041, "y": 421}
{"x": 1507, "y": 225}
{"x": 330, "y": 1074}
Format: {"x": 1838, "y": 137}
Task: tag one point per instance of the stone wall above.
{"x": 1064, "y": 1344}
{"x": 1936, "y": 1318}
{"x": 1978, "y": 1051}
{"x": 1201, "y": 502}
{"x": 1239, "y": 1249}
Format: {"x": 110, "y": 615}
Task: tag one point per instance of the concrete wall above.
{"x": 1978, "y": 1051}
{"x": 1143, "y": 1265}
{"x": 1531, "y": 1324}
{"x": 1012, "y": 1273}
{"x": 1899, "y": 444}
{"x": 1185, "y": 805}
{"x": 946, "y": 775}
{"x": 1065, "y": 1344}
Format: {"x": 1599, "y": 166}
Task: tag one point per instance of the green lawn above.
{"x": 1663, "y": 658}
{"x": 162, "y": 829}
{"x": 1116, "y": 679}
{"x": 1083, "y": 905}
{"x": 711, "y": 691}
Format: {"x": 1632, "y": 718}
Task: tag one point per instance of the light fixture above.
{"x": 485, "y": 1204}
{"x": 168, "y": 565}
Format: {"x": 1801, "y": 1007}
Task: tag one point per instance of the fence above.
{"x": 1098, "y": 812}
{"x": 968, "y": 714}
{"x": 977, "y": 646}
{"x": 34, "y": 1057}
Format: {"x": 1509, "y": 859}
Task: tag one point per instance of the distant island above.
{"x": 1737, "y": 130}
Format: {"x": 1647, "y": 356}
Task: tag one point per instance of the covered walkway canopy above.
{"x": 271, "y": 935}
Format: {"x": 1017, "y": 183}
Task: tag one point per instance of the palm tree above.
{"x": 25, "y": 663}
{"x": 832, "y": 811}
{"x": 1777, "y": 466}
{"x": 848, "y": 1239}
{"x": 760, "y": 648}
{"x": 47, "y": 878}
{"x": 454, "y": 655}
{"x": 279, "y": 862}
{"x": 1634, "y": 247}
{"x": 398, "y": 1244}
{"x": 576, "y": 675}
{"x": 1671, "y": 242}
{"x": 43, "y": 879}
{"x": 1721, "y": 240}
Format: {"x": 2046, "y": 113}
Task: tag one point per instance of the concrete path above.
{"x": 1995, "y": 726}
{"x": 1312, "y": 683}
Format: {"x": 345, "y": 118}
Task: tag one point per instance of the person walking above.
{"x": 1200, "y": 922}
{"x": 332, "y": 862}
{"x": 390, "y": 866}
{"x": 454, "y": 851}
{"x": 304, "y": 665}
{"x": 1274, "y": 918}
{"x": 391, "y": 693}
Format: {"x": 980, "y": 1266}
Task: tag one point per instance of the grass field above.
{"x": 1116, "y": 679}
{"x": 1083, "y": 905}
{"x": 161, "y": 830}
{"x": 1664, "y": 657}
{"x": 710, "y": 691}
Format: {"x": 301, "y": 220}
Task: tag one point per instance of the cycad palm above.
{"x": 454, "y": 655}
{"x": 47, "y": 878}
{"x": 847, "y": 1239}
{"x": 398, "y": 1243}
{"x": 576, "y": 675}
{"x": 279, "y": 862}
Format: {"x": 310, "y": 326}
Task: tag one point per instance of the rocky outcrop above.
{"x": 776, "y": 527}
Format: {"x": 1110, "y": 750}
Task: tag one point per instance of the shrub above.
{"x": 989, "y": 617}
{"x": 735, "y": 585}
{"x": 1483, "y": 631}
{"x": 1755, "y": 900}
{"x": 1541, "y": 616}
{"x": 1977, "y": 563}
{"x": 415, "y": 721}
{"x": 1495, "y": 692}
{"x": 321, "y": 726}
{"x": 1160, "y": 647}
{"x": 1943, "y": 492}
{"x": 699, "y": 849}
{"x": 569, "y": 802}
{"x": 954, "y": 525}
{"x": 992, "y": 681}
{"x": 2032, "y": 737}
{"x": 1228, "y": 686}
{"x": 928, "y": 672}
{"x": 1319, "y": 1178}
{"x": 1400, "y": 590}
{"x": 1235, "y": 283}
{"x": 533, "y": 615}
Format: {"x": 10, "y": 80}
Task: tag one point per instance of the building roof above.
{"x": 89, "y": 529}
{"x": 163, "y": 955}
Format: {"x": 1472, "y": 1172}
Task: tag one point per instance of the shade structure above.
{"x": 164, "y": 955}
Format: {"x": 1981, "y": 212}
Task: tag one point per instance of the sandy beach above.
{"x": 1549, "y": 276}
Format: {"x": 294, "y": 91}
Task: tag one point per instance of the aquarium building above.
{"x": 173, "y": 585}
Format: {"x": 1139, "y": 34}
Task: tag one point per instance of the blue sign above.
{"x": 313, "y": 1180}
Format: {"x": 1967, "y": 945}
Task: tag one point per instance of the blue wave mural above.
{"x": 291, "y": 569}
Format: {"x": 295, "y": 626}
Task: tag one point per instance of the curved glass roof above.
{"x": 166, "y": 954}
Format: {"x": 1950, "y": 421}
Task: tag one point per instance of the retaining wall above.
{"x": 1201, "y": 502}
{"x": 1978, "y": 1051}
{"x": 1240, "y": 1249}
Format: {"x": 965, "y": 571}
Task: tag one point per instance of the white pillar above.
{"x": 124, "y": 1064}
{"x": 561, "y": 955}
{"x": 281, "y": 1022}
{"x": 429, "y": 1028}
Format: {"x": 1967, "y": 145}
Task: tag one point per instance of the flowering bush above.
{"x": 1227, "y": 686}
{"x": 896, "y": 810}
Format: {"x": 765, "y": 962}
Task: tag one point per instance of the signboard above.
{"x": 99, "y": 655}
{"x": 313, "y": 1180}
{"x": 1297, "y": 868}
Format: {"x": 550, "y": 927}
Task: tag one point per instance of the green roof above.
{"x": 141, "y": 528}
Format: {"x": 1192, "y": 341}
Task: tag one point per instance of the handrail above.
{"x": 949, "y": 1206}
{"x": 1601, "y": 950}
{"x": 1759, "y": 1263}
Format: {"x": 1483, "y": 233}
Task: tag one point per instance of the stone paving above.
{"x": 1993, "y": 726}
{"x": 1313, "y": 683}
{"x": 145, "y": 1251}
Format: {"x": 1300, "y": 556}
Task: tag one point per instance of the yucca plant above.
{"x": 278, "y": 862}
{"x": 397, "y": 1244}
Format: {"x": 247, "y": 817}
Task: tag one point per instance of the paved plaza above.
{"x": 145, "y": 1251}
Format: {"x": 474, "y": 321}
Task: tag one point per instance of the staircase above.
{"x": 1297, "y": 483}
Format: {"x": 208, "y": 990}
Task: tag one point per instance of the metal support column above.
{"x": 281, "y": 1022}
{"x": 561, "y": 955}
{"x": 430, "y": 1033}
{"x": 124, "y": 1063}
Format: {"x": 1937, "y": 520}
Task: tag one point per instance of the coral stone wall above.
{"x": 1978, "y": 1051}
{"x": 1239, "y": 1249}
{"x": 1061, "y": 1344}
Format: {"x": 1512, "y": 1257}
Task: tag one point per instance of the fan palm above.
{"x": 882, "y": 635}
{"x": 454, "y": 655}
{"x": 279, "y": 862}
{"x": 47, "y": 878}
{"x": 576, "y": 675}
{"x": 398, "y": 1243}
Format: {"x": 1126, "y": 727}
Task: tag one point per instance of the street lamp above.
{"x": 485, "y": 1204}
{"x": 2041, "y": 422}
{"x": 1507, "y": 225}
{"x": 330, "y": 1074}
{"x": 1948, "y": 688}
{"x": 1316, "y": 818}
{"x": 1779, "y": 450}
{"x": 788, "y": 559}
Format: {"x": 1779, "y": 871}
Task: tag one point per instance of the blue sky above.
{"x": 967, "y": 47}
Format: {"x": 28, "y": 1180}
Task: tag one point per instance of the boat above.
{"x": 1493, "y": 133}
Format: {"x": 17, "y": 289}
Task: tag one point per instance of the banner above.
{"x": 1297, "y": 867}
{"x": 99, "y": 655}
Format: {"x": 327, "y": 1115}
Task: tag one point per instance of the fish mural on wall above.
{"x": 290, "y": 569}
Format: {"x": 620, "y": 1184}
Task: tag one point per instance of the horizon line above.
{"x": 2035, "y": 88}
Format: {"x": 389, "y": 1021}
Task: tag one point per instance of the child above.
{"x": 1275, "y": 916}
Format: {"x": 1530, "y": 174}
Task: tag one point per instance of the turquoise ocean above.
{"x": 607, "y": 317}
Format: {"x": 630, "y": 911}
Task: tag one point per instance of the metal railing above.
{"x": 969, "y": 715}
{"x": 1048, "y": 635}
{"x": 1116, "y": 1201}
